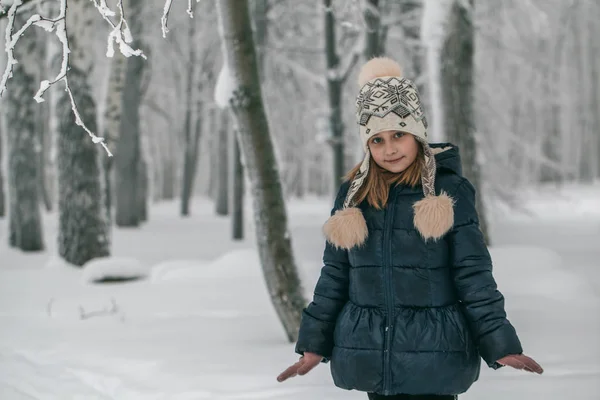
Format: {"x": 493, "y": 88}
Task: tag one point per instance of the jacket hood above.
{"x": 447, "y": 157}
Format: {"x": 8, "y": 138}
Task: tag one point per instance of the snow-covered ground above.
{"x": 200, "y": 325}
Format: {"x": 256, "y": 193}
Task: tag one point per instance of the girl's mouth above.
{"x": 395, "y": 161}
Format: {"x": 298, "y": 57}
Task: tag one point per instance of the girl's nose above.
{"x": 390, "y": 149}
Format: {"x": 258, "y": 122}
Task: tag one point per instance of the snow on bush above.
{"x": 113, "y": 269}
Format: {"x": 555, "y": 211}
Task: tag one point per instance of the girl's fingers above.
{"x": 533, "y": 366}
{"x": 307, "y": 366}
{"x": 290, "y": 372}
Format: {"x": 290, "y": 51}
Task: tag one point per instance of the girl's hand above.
{"x": 521, "y": 361}
{"x": 307, "y": 362}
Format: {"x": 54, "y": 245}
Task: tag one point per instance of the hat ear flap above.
{"x": 433, "y": 215}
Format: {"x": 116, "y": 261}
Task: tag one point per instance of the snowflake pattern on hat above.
{"x": 382, "y": 96}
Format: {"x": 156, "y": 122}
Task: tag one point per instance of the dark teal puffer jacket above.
{"x": 401, "y": 315}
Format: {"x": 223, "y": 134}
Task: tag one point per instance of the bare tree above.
{"x": 457, "y": 75}
{"x": 273, "y": 238}
{"x": 112, "y": 121}
{"x": 83, "y": 230}
{"x": 338, "y": 71}
{"x": 128, "y": 153}
{"x": 23, "y": 138}
{"x": 222, "y": 160}
{"x": 375, "y": 31}
{"x": 2, "y": 193}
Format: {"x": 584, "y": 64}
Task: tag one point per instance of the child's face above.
{"x": 393, "y": 150}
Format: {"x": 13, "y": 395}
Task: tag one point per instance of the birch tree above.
{"x": 83, "y": 230}
{"x": 25, "y": 226}
{"x": 273, "y": 238}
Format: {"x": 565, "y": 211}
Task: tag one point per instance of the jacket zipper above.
{"x": 388, "y": 225}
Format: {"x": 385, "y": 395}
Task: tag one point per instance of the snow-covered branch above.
{"x": 120, "y": 33}
{"x": 27, "y": 3}
{"x": 61, "y": 32}
{"x": 344, "y": 67}
{"x": 165, "y": 17}
{"x": 8, "y": 47}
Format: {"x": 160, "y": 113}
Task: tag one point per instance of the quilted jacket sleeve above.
{"x": 475, "y": 284}
{"x": 330, "y": 295}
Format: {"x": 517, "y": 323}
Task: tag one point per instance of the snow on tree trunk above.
{"x": 222, "y": 162}
{"x": 433, "y": 33}
{"x": 273, "y": 238}
{"x": 457, "y": 77}
{"x": 189, "y": 148}
{"x": 83, "y": 229}
{"x": 25, "y": 226}
{"x": 128, "y": 152}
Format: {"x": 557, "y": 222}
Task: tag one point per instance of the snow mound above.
{"x": 235, "y": 264}
{"x": 177, "y": 270}
{"x": 539, "y": 272}
{"x": 113, "y": 269}
{"x": 242, "y": 263}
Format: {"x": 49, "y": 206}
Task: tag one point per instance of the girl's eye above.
{"x": 399, "y": 134}
{"x": 376, "y": 140}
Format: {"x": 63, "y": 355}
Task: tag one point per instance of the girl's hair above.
{"x": 377, "y": 185}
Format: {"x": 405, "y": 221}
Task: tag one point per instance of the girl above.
{"x": 406, "y": 303}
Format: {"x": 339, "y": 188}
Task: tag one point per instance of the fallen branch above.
{"x": 110, "y": 311}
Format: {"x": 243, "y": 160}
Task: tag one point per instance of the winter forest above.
{"x": 166, "y": 168}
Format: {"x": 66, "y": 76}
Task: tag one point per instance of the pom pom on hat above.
{"x": 376, "y": 67}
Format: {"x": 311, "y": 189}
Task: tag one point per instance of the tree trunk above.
{"x": 43, "y": 127}
{"x": 142, "y": 192}
{"x": 168, "y": 183}
{"x": 411, "y": 28}
{"x": 189, "y": 149}
{"x": 334, "y": 90}
{"x": 112, "y": 121}
{"x": 457, "y": 97}
{"x": 43, "y": 150}
{"x": 223, "y": 145}
{"x": 237, "y": 185}
{"x": 25, "y": 225}
{"x": 2, "y": 192}
{"x": 272, "y": 235}
{"x": 128, "y": 152}
{"x": 595, "y": 82}
{"x": 373, "y": 33}
{"x": 83, "y": 233}
{"x": 261, "y": 23}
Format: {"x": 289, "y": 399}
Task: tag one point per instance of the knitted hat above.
{"x": 387, "y": 101}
